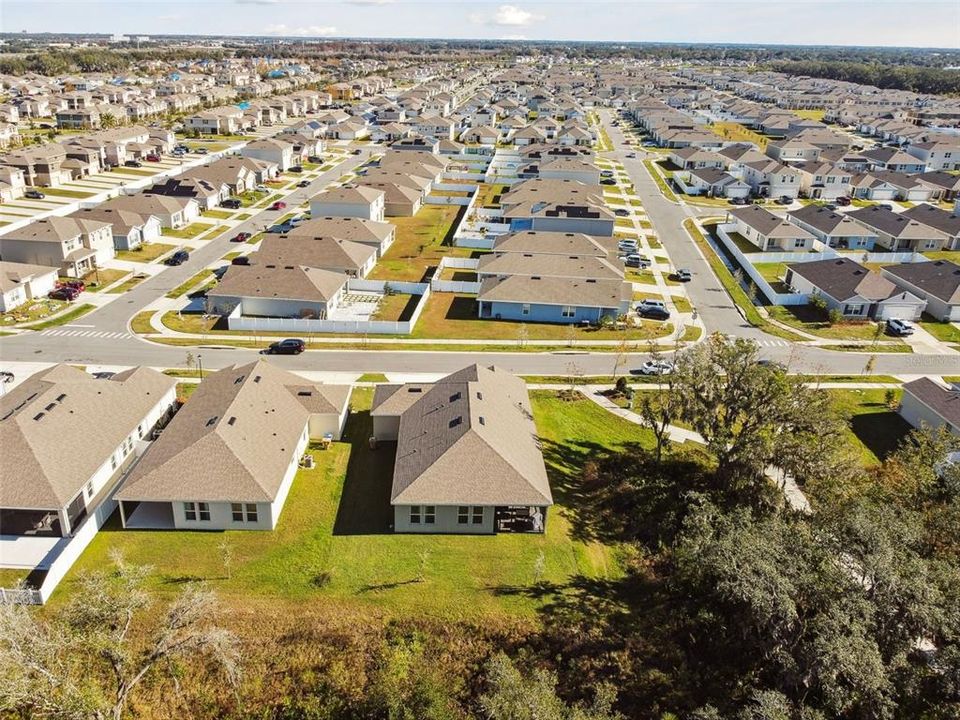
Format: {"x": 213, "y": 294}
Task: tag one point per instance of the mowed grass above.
{"x": 875, "y": 428}
{"x": 148, "y": 252}
{"x": 333, "y": 545}
{"x": 453, "y": 316}
{"x": 422, "y": 240}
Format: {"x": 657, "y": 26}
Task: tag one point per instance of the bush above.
{"x": 834, "y": 316}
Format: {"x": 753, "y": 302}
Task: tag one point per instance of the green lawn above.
{"x": 188, "y": 232}
{"x": 128, "y": 284}
{"x": 372, "y": 378}
{"x": 809, "y": 320}
{"x": 332, "y": 543}
{"x": 189, "y": 283}
{"x": 875, "y": 428}
{"x": 661, "y": 183}
{"x": 396, "y": 307}
{"x": 218, "y": 214}
{"x": 62, "y": 192}
{"x": 422, "y": 240}
{"x": 106, "y": 276}
{"x": 148, "y": 252}
{"x": 140, "y": 323}
{"x": 76, "y": 312}
{"x": 36, "y": 309}
{"x": 945, "y": 332}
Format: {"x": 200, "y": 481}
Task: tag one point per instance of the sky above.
{"x": 932, "y": 23}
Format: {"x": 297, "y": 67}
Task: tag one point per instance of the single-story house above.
{"x": 271, "y": 290}
{"x": 937, "y": 282}
{"x": 229, "y": 457}
{"x": 349, "y": 201}
{"x": 563, "y": 300}
{"x": 468, "y": 458}
{"x": 767, "y": 231}
{"x": 927, "y": 402}
{"x": 838, "y": 230}
{"x": 898, "y": 232}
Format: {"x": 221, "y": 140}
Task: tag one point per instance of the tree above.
{"x": 511, "y": 696}
{"x": 88, "y": 660}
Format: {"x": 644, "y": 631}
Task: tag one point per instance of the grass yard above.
{"x": 133, "y": 171}
{"x": 189, "y": 232}
{"x": 148, "y": 252}
{"x": 107, "y": 276}
{"x": 810, "y": 114}
{"x": 372, "y": 378}
{"x": 36, "y": 309}
{"x": 945, "y": 332}
{"x": 396, "y": 307}
{"x": 188, "y": 284}
{"x": 875, "y": 428}
{"x": 739, "y": 133}
{"x": 77, "y": 312}
{"x": 951, "y": 255}
{"x": 488, "y": 195}
{"x": 453, "y": 316}
{"x": 217, "y": 214}
{"x": 128, "y": 284}
{"x": 332, "y": 543}
{"x": 807, "y": 319}
{"x": 140, "y": 323}
{"x": 681, "y": 303}
{"x": 62, "y": 192}
{"x": 422, "y": 240}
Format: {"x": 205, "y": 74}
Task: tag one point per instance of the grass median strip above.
{"x": 185, "y": 286}
{"x": 77, "y": 312}
{"x": 658, "y": 179}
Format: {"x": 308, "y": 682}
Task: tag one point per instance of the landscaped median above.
{"x": 76, "y": 312}
{"x": 660, "y": 181}
{"x": 188, "y": 284}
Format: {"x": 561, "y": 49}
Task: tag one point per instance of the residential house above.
{"x": 769, "y": 178}
{"x": 936, "y": 156}
{"x": 893, "y": 159}
{"x": 897, "y": 232}
{"x": 12, "y": 184}
{"x": 67, "y": 439}
{"x": 228, "y": 459}
{"x": 349, "y": 201}
{"x": 130, "y": 229}
{"x": 76, "y": 246}
{"x": 20, "y": 283}
{"x": 944, "y": 221}
{"x": 207, "y": 194}
{"x": 272, "y": 150}
{"x": 587, "y": 218}
{"x": 712, "y": 182}
{"x": 838, "y": 230}
{"x": 694, "y": 158}
{"x": 943, "y": 184}
{"x": 793, "y": 150}
{"x": 271, "y": 290}
{"x": 41, "y": 165}
{"x": 824, "y": 181}
{"x": 327, "y": 253}
{"x": 853, "y": 290}
{"x": 767, "y": 231}
{"x": 928, "y": 403}
{"x": 937, "y": 282}
{"x": 173, "y": 212}
{"x": 468, "y": 458}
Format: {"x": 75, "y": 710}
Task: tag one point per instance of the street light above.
{"x": 200, "y": 365}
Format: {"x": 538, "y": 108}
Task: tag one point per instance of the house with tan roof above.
{"x": 368, "y": 232}
{"x": 20, "y": 283}
{"x": 229, "y": 457}
{"x": 130, "y": 229}
{"x": 357, "y": 201}
{"x": 75, "y": 246}
{"x": 928, "y": 403}
{"x": 55, "y": 471}
{"x": 588, "y": 218}
{"x": 273, "y": 289}
{"x": 173, "y": 212}
{"x": 350, "y": 258}
{"x": 767, "y": 231}
{"x": 467, "y": 455}
{"x": 272, "y": 150}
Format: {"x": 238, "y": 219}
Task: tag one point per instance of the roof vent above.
{"x": 212, "y": 420}
{"x": 414, "y": 390}
{"x": 232, "y": 420}
{"x": 38, "y": 416}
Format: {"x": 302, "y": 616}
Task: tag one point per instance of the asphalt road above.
{"x": 716, "y": 309}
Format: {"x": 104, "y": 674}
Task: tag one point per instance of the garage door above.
{"x": 902, "y": 312}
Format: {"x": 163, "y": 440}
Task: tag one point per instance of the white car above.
{"x": 648, "y": 304}
{"x": 262, "y": 188}
{"x": 656, "y": 367}
{"x": 896, "y": 326}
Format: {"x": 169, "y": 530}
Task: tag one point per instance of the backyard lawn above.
{"x": 396, "y": 307}
{"x": 333, "y": 545}
{"x": 422, "y": 240}
{"x": 148, "y": 252}
{"x": 875, "y": 428}
{"x": 738, "y": 133}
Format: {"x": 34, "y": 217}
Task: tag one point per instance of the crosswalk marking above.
{"x": 100, "y": 335}
{"x": 772, "y": 343}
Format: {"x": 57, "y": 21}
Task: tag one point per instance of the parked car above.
{"x": 6, "y": 376}
{"x": 78, "y": 285}
{"x": 240, "y": 260}
{"x": 631, "y": 155}
{"x": 201, "y": 151}
{"x": 784, "y": 200}
{"x": 153, "y": 157}
{"x": 178, "y": 258}
{"x": 262, "y": 188}
{"x": 240, "y": 237}
{"x": 232, "y": 204}
{"x": 655, "y": 367}
{"x": 606, "y": 173}
{"x": 608, "y": 181}
{"x": 316, "y": 159}
{"x": 64, "y": 293}
{"x": 653, "y": 309}
{"x": 133, "y": 164}
{"x": 683, "y": 275}
{"x": 181, "y": 147}
{"x": 34, "y": 195}
{"x": 178, "y": 153}
{"x": 620, "y": 212}
{"x": 357, "y": 151}
{"x": 636, "y": 261}
{"x": 289, "y": 346}
{"x": 738, "y": 201}
{"x": 627, "y": 245}
{"x": 279, "y": 205}
{"x": 296, "y": 168}
{"x": 303, "y": 183}
{"x": 896, "y": 326}
{"x": 843, "y": 201}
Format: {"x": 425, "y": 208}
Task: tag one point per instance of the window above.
{"x": 90, "y": 489}
{"x": 525, "y": 309}
{"x": 799, "y": 243}
{"x": 430, "y": 514}
{"x": 252, "y": 512}
{"x": 236, "y": 510}
{"x": 113, "y": 462}
{"x": 478, "y": 515}
{"x": 414, "y": 514}
{"x": 189, "y": 511}
{"x": 463, "y": 515}
{"x": 567, "y": 311}
{"x": 203, "y": 510}
{"x": 140, "y": 431}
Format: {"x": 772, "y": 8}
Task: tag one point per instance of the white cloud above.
{"x": 369, "y": 2}
{"x": 168, "y": 18}
{"x": 512, "y": 16}
{"x": 307, "y": 31}
{"x": 256, "y": 2}
{"x": 514, "y": 37}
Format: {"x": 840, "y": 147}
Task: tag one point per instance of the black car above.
{"x": 303, "y": 183}
{"x": 178, "y": 258}
{"x": 784, "y": 200}
{"x": 296, "y": 168}
{"x": 357, "y": 151}
{"x": 620, "y": 212}
{"x": 608, "y": 181}
{"x": 289, "y": 346}
{"x": 133, "y": 163}
{"x": 654, "y": 312}
{"x": 231, "y": 204}
{"x": 738, "y": 201}
{"x": 315, "y": 159}
{"x": 240, "y": 260}
{"x": 34, "y": 195}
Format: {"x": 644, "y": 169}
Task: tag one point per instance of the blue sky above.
{"x": 841, "y": 22}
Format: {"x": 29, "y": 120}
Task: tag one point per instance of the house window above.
{"x": 478, "y": 515}
{"x": 414, "y": 514}
{"x": 90, "y": 489}
{"x": 236, "y": 510}
{"x": 203, "y": 509}
{"x": 140, "y": 431}
{"x": 463, "y": 515}
{"x": 525, "y": 310}
{"x": 430, "y": 514}
{"x": 113, "y": 461}
{"x": 567, "y": 311}
{"x": 190, "y": 511}
{"x": 252, "y": 515}
{"x": 799, "y": 243}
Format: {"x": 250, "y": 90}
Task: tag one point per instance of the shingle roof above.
{"x": 288, "y": 282}
{"x": 541, "y": 242}
{"x": 468, "y": 439}
{"x": 940, "y": 278}
{"x": 829, "y": 221}
{"x": 58, "y": 427}
{"x": 895, "y": 224}
{"x": 943, "y": 401}
{"x": 580, "y": 292}
{"x": 234, "y": 439}
{"x": 768, "y": 224}
{"x": 843, "y": 279}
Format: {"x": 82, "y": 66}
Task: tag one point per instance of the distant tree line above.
{"x": 915, "y": 78}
